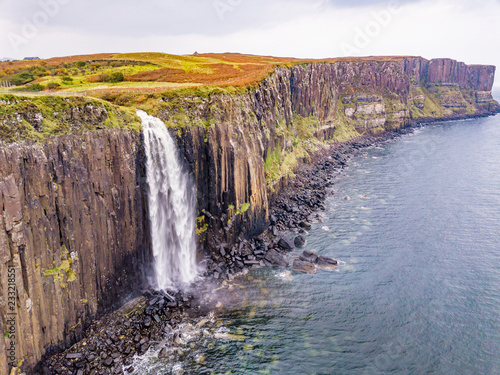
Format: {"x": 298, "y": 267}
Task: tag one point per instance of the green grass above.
{"x": 432, "y": 107}
{"x": 190, "y": 64}
{"x": 281, "y": 163}
{"x": 344, "y": 128}
{"x": 63, "y": 273}
{"x": 16, "y": 113}
{"x": 244, "y": 208}
{"x": 306, "y": 126}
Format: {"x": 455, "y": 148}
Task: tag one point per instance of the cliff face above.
{"x": 447, "y": 71}
{"x": 481, "y": 77}
{"x": 243, "y": 148}
{"x": 73, "y": 219}
{"x": 74, "y": 227}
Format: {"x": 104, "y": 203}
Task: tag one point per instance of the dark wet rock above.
{"x": 300, "y": 241}
{"x": 304, "y": 225}
{"x": 325, "y": 261}
{"x": 74, "y": 355}
{"x": 276, "y": 259}
{"x": 144, "y": 348}
{"x": 172, "y": 305}
{"x": 309, "y": 256}
{"x": 108, "y": 361}
{"x": 169, "y": 297}
{"x": 304, "y": 267}
{"x": 285, "y": 244}
{"x": 162, "y": 353}
{"x": 259, "y": 253}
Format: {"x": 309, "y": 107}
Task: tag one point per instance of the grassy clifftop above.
{"x": 38, "y": 117}
{"x": 392, "y": 90}
{"x": 105, "y": 74}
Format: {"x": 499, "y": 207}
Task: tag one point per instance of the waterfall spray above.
{"x": 171, "y": 208}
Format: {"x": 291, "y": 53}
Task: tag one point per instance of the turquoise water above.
{"x": 418, "y": 286}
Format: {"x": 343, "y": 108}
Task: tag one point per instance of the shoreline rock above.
{"x": 304, "y": 267}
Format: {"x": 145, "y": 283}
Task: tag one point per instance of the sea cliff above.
{"x": 74, "y": 216}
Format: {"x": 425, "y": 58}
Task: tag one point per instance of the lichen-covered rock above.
{"x": 304, "y": 267}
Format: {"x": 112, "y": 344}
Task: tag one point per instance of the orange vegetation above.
{"x": 163, "y": 71}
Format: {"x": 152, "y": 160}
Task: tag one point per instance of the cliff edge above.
{"x": 74, "y": 216}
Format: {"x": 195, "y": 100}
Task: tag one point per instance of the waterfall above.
{"x": 171, "y": 208}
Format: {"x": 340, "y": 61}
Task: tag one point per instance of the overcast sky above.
{"x": 466, "y": 30}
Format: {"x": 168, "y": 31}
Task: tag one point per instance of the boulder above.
{"x": 276, "y": 259}
{"x": 74, "y": 355}
{"x": 300, "y": 241}
{"x": 163, "y": 353}
{"x": 273, "y": 220}
{"x": 305, "y": 225}
{"x": 309, "y": 256}
{"x": 305, "y": 267}
{"x": 286, "y": 244}
{"x": 108, "y": 362}
{"x": 326, "y": 262}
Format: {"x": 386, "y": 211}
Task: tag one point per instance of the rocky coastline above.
{"x": 152, "y": 320}
{"x": 111, "y": 342}
{"x": 62, "y": 193}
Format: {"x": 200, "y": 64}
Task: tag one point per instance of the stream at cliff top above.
{"x": 417, "y": 290}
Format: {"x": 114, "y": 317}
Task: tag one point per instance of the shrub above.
{"x": 67, "y": 79}
{"x": 112, "y": 78}
{"x": 80, "y": 64}
{"x": 22, "y": 78}
{"x": 34, "y": 87}
{"x": 38, "y": 71}
{"x": 53, "y": 85}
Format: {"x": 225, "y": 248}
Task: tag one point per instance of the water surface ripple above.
{"x": 418, "y": 288}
